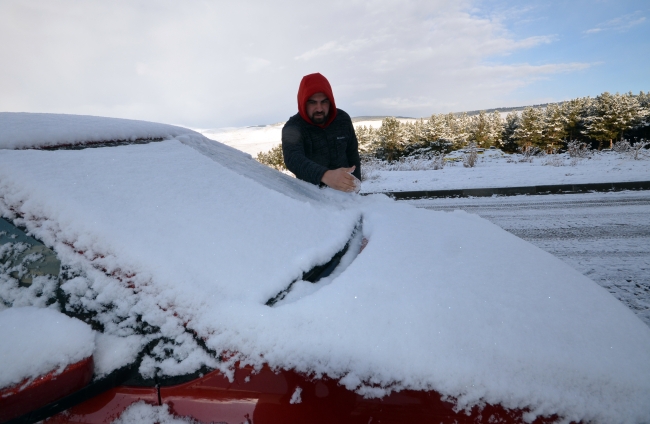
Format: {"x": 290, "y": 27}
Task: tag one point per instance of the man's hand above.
{"x": 341, "y": 179}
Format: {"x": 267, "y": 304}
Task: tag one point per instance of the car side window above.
{"x": 23, "y": 257}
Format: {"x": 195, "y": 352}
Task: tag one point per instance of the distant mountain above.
{"x": 379, "y": 118}
{"x": 469, "y": 112}
{"x": 506, "y": 109}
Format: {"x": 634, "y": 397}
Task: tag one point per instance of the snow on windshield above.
{"x": 192, "y": 238}
{"x": 36, "y": 341}
{"x": 21, "y": 130}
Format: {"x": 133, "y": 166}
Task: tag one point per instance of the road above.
{"x": 605, "y": 236}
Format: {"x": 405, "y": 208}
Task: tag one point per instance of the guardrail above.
{"x": 514, "y": 191}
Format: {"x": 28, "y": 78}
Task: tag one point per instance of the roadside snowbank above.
{"x": 495, "y": 169}
{"x": 21, "y": 130}
{"x": 36, "y": 341}
{"x": 206, "y": 236}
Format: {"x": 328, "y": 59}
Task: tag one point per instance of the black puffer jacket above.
{"x": 310, "y": 150}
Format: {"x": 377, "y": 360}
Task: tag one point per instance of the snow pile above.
{"x": 36, "y": 341}
{"x": 26, "y": 130}
{"x": 191, "y": 238}
{"x": 114, "y": 352}
{"x": 143, "y": 413}
{"x": 295, "y": 397}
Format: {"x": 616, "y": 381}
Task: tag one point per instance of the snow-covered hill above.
{"x": 262, "y": 138}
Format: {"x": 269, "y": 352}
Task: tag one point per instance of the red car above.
{"x": 219, "y": 290}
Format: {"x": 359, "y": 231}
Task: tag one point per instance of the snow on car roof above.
{"x": 193, "y": 238}
{"x": 28, "y": 130}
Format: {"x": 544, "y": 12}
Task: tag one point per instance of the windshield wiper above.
{"x": 319, "y": 271}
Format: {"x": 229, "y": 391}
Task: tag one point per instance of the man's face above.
{"x": 318, "y": 108}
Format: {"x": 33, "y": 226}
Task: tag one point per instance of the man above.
{"x": 319, "y": 143}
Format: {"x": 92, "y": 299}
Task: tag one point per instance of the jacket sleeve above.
{"x": 353, "y": 152}
{"x": 293, "y": 150}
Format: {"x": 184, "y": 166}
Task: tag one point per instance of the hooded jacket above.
{"x": 310, "y": 149}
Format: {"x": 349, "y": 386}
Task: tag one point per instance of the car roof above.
{"x": 22, "y": 130}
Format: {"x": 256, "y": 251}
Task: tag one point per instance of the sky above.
{"x": 212, "y": 64}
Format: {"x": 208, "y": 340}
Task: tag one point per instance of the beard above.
{"x": 319, "y": 118}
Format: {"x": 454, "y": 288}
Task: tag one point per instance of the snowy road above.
{"x": 606, "y": 236}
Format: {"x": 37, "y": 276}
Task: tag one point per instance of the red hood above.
{"x": 310, "y": 85}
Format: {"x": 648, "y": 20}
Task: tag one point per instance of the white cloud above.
{"x": 238, "y": 63}
{"x": 622, "y": 23}
{"x": 360, "y": 87}
{"x": 335, "y": 47}
{"x": 399, "y": 104}
{"x": 141, "y": 68}
{"x": 256, "y": 64}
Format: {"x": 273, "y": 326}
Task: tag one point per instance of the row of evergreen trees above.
{"x": 596, "y": 121}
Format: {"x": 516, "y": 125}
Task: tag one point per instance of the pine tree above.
{"x": 496, "y": 128}
{"x": 530, "y": 130}
{"x": 437, "y": 134}
{"x": 574, "y": 111}
{"x": 414, "y": 136}
{"x": 458, "y": 129}
{"x": 631, "y": 113}
{"x": 641, "y": 125}
{"x": 273, "y": 158}
{"x": 479, "y": 130}
{"x": 555, "y": 123}
{"x": 644, "y": 104}
{"x": 509, "y": 142}
{"x": 485, "y": 130}
{"x": 366, "y": 136}
{"x": 391, "y": 138}
{"x": 613, "y": 114}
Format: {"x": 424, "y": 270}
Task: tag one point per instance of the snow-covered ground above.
{"x": 251, "y": 140}
{"x": 191, "y": 238}
{"x": 498, "y": 169}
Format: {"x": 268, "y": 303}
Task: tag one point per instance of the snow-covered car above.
{"x": 147, "y": 271}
